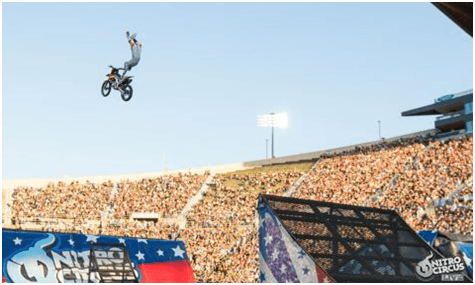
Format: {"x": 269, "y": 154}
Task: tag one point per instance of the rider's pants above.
{"x": 131, "y": 63}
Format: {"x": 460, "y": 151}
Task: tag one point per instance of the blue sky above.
{"x": 207, "y": 71}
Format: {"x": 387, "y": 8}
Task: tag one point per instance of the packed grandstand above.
{"x": 429, "y": 182}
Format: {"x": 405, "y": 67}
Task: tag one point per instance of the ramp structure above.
{"x": 346, "y": 244}
{"x": 43, "y": 257}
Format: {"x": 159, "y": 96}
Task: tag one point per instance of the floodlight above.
{"x": 273, "y": 120}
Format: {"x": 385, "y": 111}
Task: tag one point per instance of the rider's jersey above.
{"x": 136, "y": 49}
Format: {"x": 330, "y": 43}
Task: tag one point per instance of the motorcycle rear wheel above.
{"x": 127, "y": 94}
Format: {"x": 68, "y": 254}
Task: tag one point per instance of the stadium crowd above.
{"x": 79, "y": 202}
{"x": 166, "y": 195}
{"x": 223, "y": 254}
{"x": 353, "y": 178}
{"x": 235, "y": 197}
{"x": 141, "y": 229}
{"x": 221, "y": 232}
{"x": 466, "y": 192}
{"x": 79, "y": 207}
{"x": 407, "y": 175}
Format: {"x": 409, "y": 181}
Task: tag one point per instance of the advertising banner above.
{"x": 29, "y": 256}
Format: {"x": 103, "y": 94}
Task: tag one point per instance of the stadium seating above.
{"x": 221, "y": 230}
{"x": 406, "y": 178}
{"x": 75, "y": 202}
{"x": 166, "y": 195}
{"x": 407, "y": 175}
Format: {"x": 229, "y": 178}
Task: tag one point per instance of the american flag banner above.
{"x": 281, "y": 258}
{"x": 42, "y": 257}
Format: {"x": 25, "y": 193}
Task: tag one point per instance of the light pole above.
{"x": 273, "y": 120}
{"x": 272, "y": 140}
{"x": 267, "y": 140}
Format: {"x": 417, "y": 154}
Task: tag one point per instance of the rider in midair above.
{"x": 136, "y": 48}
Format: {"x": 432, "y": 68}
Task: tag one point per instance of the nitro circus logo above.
{"x": 427, "y": 269}
{"x": 40, "y": 264}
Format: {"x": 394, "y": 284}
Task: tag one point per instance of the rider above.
{"x": 136, "y": 48}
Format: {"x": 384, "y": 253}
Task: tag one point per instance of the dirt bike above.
{"x": 118, "y": 82}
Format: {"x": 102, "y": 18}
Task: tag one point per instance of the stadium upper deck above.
{"x": 456, "y": 111}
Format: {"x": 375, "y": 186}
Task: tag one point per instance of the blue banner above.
{"x": 64, "y": 257}
{"x": 428, "y": 236}
{"x": 467, "y": 251}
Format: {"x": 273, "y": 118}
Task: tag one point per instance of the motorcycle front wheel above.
{"x": 106, "y": 88}
{"x": 127, "y": 94}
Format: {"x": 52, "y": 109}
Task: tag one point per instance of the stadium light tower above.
{"x": 273, "y": 120}
{"x": 267, "y": 140}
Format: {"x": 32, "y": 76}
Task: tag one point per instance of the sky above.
{"x": 207, "y": 71}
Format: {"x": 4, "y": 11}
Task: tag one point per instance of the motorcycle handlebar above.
{"x": 120, "y": 68}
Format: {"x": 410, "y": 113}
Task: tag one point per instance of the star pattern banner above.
{"x": 281, "y": 259}
{"x": 29, "y": 256}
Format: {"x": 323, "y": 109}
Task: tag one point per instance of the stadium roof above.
{"x": 443, "y": 107}
{"x": 459, "y": 12}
